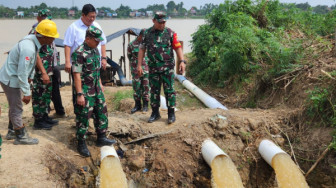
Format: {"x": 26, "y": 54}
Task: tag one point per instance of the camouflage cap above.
{"x": 160, "y": 16}
{"x": 95, "y": 32}
{"x": 45, "y": 13}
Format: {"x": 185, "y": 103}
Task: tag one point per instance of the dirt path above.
{"x": 23, "y": 166}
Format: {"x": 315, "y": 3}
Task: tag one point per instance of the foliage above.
{"x": 123, "y": 11}
{"x": 232, "y": 44}
{"x": 185, "y": 99}
{"x": 120, "y": 95}
{"x": 322, "y": 105}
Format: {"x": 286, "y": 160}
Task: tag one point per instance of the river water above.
{"x": 14, "y": 30}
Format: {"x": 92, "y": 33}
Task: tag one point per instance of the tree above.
{"x": 156, "y": 7}
{"x": 207, "y": 8}
{"x": 170, "y": 7}
{"x": 321, "y": 9}
{"x": 303, "y": 6}
{"x": 123, "y": 11}
{"x": 43, "y": 6}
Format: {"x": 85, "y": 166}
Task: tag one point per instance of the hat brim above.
{"x": 99, "y": 39}
{"x": 161, "y": 20}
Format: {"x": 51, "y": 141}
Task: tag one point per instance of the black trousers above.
{"x": 55, "y": 95}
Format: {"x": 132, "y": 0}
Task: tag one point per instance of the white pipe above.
{"x": 209, "y": 101}
{"x": 210, "y": 151}
{"x": 106, "y": 151}
{"x": 111, "y": 171}
{"x": 268, "y": 150}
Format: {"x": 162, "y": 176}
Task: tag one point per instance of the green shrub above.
{"x": 120, "y": 95}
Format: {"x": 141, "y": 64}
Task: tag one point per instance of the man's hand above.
{"x": 182, "y": 68}
{"x": 81, "y": 100}
{"x": 103, "y": 64}
{"x": 67, "y": 67}
{"x": 26, "y": 99}
{"x": 45, "y": 78}
{"x": 140, "y": 71}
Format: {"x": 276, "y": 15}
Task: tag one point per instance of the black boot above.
{"x": 22, "y": 137}
{"x": 145, "y": 106}
{"x": 171, "y": 115}
{"x": 40, "y": 124}
{"x": 49, "y": 120}
{"x": 137, "y": 107}
{"x": 82, "y": 148}
{"x": 102, "y": 140}
{"x": 11, "y": 133}
{"x": 155, "y": 115}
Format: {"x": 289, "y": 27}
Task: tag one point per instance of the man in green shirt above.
{"x": 90, "y": 100}
{"x": 160, "y": 41}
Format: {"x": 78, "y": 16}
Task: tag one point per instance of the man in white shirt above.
{"x": 75, "y": 36}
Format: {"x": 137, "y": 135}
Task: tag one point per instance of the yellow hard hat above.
{"x": 47, "y": 28}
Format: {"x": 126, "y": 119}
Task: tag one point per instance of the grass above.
{"x": 118, "y": 96}
{"x": 184, "y": 98}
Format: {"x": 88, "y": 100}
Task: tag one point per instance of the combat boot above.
{"x": 102, "y": 140}
{"x": 82, "y": 148}
{"x": 171, "y": 115}
{"x": 11, "y": 133}
{"x": 22, "y": 137}
{"x": 155, "y": 115}
{"x": 49, "y": 120}
{"x": 40, "y": 124}
{"x": 137, "y": 107}
{"x": 145, "y": 106}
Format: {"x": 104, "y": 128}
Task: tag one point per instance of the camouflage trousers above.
{"x": 95, "y": 107}
{"x": 140, "y": 87}
{"x": 41, "y": 96}
{"x": 166, "y": 78}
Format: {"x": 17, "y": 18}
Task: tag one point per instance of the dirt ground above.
{"x": 172, "y": 158}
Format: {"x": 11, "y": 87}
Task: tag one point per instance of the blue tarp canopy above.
{"x": 131, "y": 30}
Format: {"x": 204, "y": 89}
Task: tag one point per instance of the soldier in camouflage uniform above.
{"x": 42, "y": 82}
{"x": 90, "y": 100}
{"x": 160, "y": 41}
{"x": 140, "y": 83}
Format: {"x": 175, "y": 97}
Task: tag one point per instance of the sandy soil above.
{"x": 173, "y": 158}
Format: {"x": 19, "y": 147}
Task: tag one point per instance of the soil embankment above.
{"x": 170, "y": 158}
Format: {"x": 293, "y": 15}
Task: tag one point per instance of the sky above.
{"x": 134, "y": 4}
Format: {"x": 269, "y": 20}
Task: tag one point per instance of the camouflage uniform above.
{"x": 41, "y": 93}
{"x": 161, "y": 64}
{"x": 86, "y": 61}
{"x": 140, "y": 84}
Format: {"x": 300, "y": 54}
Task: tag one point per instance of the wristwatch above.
{"x": 79, "y": 94}
{"x": 103, "y": 58}
{"x": 184, "y": 61}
